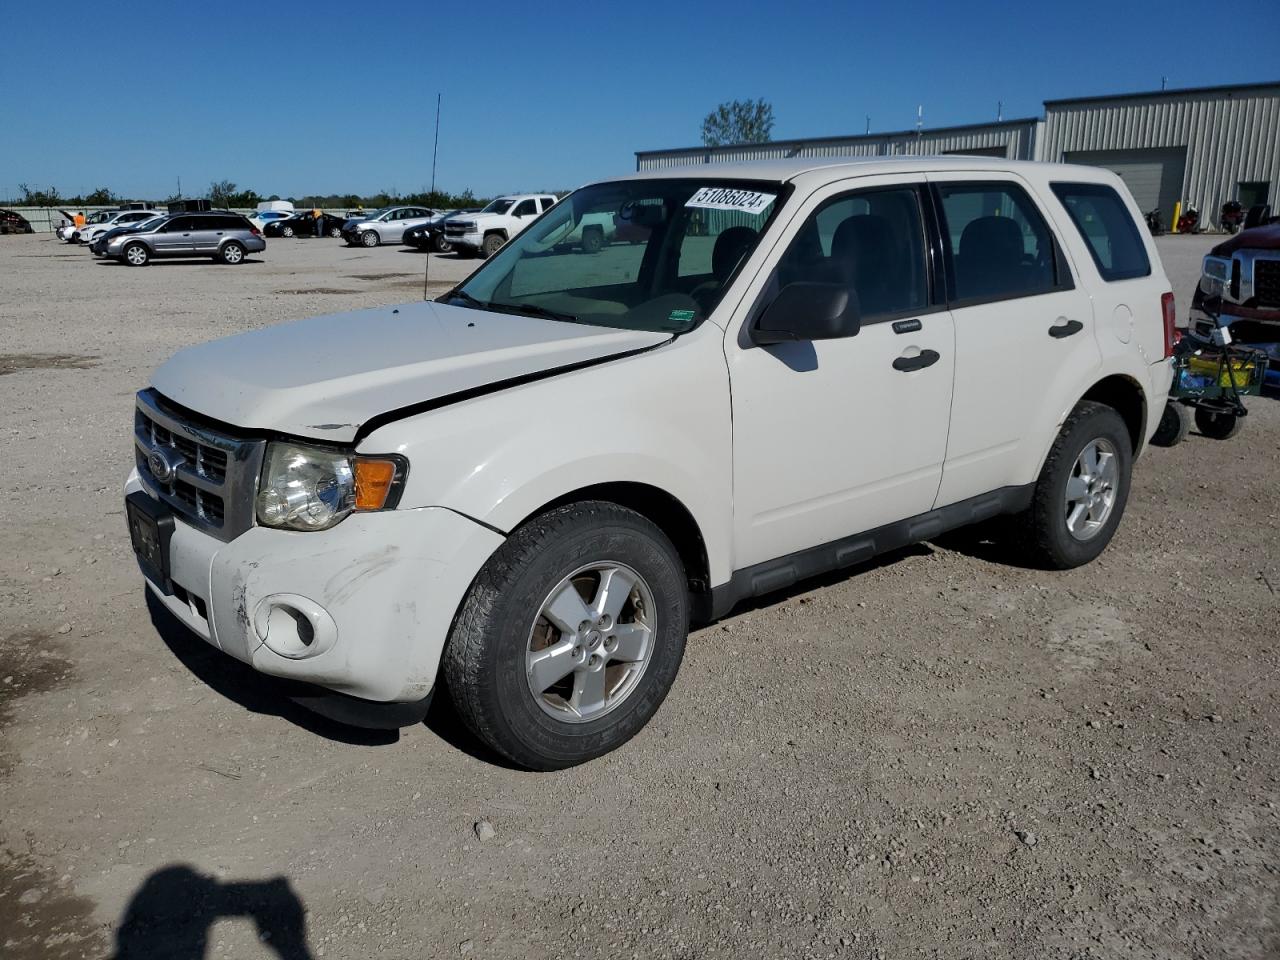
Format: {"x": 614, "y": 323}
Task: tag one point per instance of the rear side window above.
{"x": 1107, "y": 228}
{"x": 999, "y": 245}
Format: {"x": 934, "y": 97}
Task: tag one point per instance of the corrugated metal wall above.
{"x": 1229, "y": 136}
{"x": 1016, "y": 137}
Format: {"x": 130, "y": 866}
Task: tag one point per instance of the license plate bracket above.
{"x": 150, "y": 529}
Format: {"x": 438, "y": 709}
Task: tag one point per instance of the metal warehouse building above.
{"x": 1202, "y": 146}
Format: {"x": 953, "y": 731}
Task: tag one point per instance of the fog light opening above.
{"x": 294, "y": 627}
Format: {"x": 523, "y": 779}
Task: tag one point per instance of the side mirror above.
{"x": 808, "y": 311}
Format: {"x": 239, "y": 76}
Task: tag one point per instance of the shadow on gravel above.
{"x": 443, "y": 721}
{"x": 174, "y": 910}
{"x": 252, "y": 690}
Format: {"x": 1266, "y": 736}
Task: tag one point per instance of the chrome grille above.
{"x": 214, "y": 475}
{"x": 1266, "y": 282}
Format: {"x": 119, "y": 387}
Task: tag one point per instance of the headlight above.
{"x": 312, "y": 488}
{"x": 1215, "y": 275}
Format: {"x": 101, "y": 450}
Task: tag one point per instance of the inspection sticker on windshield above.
{"x": 723, "y": 198}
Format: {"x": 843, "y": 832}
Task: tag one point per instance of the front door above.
{"x": 1024, "y": 332}
{"x": 836, "y": 437}
{"x": 174, "y": 237}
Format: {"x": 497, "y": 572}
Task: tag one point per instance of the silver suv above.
{"x": 219, "y": 234}
{"x": 385, "y": 226}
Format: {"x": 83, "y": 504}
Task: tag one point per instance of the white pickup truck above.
{"x": 484, "y": 233}
{"x": 528, "y": 489}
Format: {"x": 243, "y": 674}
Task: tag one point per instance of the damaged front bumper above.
{"x": 363, "y": 609}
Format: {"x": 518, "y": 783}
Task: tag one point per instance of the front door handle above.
{"x": 926, "y": 358}
{"x": 1065, "y": 328}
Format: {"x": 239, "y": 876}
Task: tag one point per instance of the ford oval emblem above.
{"x": 161, "y": 467}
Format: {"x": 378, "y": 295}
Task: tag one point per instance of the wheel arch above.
{"x": 668, "y": 513}
{"x": 1124, "y": 395}
{"x": 500, "y": 231}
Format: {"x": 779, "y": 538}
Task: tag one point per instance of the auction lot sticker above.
{"x": 725, "y": 198}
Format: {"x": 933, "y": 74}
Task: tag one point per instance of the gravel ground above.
{"x": 941, "y": 755}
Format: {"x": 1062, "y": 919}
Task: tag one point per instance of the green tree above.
{"x": 100, "y": 197}
{"x": 738, "y": 121}
{"x": 220, "y": 192}
{"x": 48, "y": 197}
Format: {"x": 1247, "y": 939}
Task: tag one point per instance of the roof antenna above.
{"x": 868, "y": 124}
{"x": 999, "y": 111}
{"x": 1164, "y": 82}
{"x": 919, "y": 119}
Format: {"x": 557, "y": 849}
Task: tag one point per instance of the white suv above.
{"x": 484, "y": 233}
{"x": 529, "y": 488}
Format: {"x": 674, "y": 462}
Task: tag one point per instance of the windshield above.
{"x": 639, "y": 254}
{"x": 102, "y": 216}
{"x": 501, "y": 205}
{"x": 146, "y": 224}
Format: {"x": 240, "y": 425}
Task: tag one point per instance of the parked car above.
{"x": 99, "y": 245}
{"x": 385, "y": 226}
{"x": 843, "y": 359}
{"x": 12, "y": 222}
{"x": 225, "y": 236}
{"x": 1240, "y": 286}
{"x": 90, "y": 232}
{"x": 485, "y": 233}
{"x": 71, "y": 232}
{"x": 430, "y": 235}
{"x": 303, "y": 225}
{"x": 264, "y": 218}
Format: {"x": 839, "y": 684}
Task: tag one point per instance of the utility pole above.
{"x": 920, "y": 120}
{"x": 1164, "y": 82}
{"x": 868, "y": 124}
{"x": 179, "y": 188}
{"x": 999, "y": 111}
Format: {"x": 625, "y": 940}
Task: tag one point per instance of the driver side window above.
{"x": 871, "y": 241}
{"x": 526, "y": 208}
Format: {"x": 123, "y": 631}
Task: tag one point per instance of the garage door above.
{"x": 1154, "y": 177}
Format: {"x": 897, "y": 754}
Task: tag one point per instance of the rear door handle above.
{"x": 926, "y": 358}
{"x": 1065, "y": 328}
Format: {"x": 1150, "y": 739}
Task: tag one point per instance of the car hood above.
{"x": 325, "y": 377}
{"x": 1255, "y": 238}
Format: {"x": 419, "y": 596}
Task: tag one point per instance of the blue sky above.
{"x": 132, "y": 95}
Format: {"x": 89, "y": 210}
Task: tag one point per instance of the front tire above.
{"x": 370, "y": 238}
{"x": 286, "y": 231}
{"x": 136, "y": 255}
{"x": 1216, "y": 425}
{"x": 570, "y": 637}
{"x": 1081, "y": 493}
{"x": 491, "y": 245}
{"x": 592, "y": 240}
{"x": 335, "y": 232}
{"x": 440, "y": 245}
{"x": 231, "y": 253}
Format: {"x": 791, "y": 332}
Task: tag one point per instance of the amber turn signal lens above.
{"x": 373, "y": 483}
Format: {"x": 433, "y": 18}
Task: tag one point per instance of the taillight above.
{"x": 257, "y": 233}
{"x": 1171, "y": 334}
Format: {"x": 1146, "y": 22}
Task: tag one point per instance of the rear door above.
{"x": 206, "y": 234}
{"x": 1024, "y": 332}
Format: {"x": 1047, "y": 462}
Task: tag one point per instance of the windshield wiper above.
{"x": 532, "y": 310}
{"x": 467, "y": 298}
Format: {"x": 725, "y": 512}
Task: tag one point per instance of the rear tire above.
{"x": 1077, "y": 504}
{"x": 1175, "y": 422}
{"x": 370, "y": 238}
{"x": 491, "y": 245}
{"x": 335, "y": 232}
{"x": 136, "y": 255}
{"x": 232, "y": 253}
{"x": 557, "y": 568}
{"x": 1218, "y": 426}
{"x": 286, "y": 231}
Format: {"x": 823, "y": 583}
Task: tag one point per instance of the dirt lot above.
{"x": 942, "y": 755}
